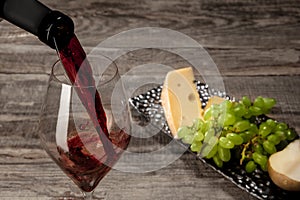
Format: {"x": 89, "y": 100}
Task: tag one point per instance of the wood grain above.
{"x": 230, "y": 62}
{"x": 255, "y": 45}
{"x": 219, "y": 24}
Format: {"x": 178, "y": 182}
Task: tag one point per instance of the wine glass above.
{"x": 74, "y": 137}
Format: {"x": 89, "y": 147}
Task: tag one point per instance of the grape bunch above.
{"x": 232, "y": 130}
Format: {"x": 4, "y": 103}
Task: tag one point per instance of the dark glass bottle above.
{"x": 52, "y": 27}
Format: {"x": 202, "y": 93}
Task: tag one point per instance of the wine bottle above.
{"x": 38, "y": 19}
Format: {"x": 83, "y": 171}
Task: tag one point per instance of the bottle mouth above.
{"x": 56, "y": 30}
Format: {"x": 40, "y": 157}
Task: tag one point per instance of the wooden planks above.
{"x": 255, "y": 45}
{"x": 32, "y": 175}
{"x": 36, "y": 59}
{"x": 216, "y": 24}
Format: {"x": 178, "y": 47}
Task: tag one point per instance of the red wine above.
{"x": 85, "y": 161}
{"x": 90, "y": 155}
{"x": 79, "y": 72}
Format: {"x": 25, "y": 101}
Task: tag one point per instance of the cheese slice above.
{"x": 180, "y": 99}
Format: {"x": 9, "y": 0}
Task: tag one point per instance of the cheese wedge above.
{"x": 180, "y": 99}
{"x": 212, "y": 101}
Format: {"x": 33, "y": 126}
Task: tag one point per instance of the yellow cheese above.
{"x": 212, "y": 101}
{"x": 180, "y": 99}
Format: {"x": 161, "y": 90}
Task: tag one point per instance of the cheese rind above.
{"x": 180, "y": 99}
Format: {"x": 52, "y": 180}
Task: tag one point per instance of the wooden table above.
{"x": 255, "y": 45}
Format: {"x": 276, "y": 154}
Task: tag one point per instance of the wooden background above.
{"x": 255, "y": 44}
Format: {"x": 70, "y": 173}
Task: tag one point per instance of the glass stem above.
{"x": 88, "y": 195}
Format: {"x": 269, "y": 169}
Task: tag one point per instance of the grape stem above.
{"x": 244, "y": 152}
{"x": 253, "y": 140}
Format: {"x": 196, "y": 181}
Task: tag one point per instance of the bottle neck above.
{"x": 1, "y": 9}
{"x": 26, "y": 14}
{"x": 38, "y": 19}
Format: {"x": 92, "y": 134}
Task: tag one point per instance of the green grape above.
{"x": 197, "y": 124}
{"x": 207, "y": 114}
{"x": 291, "y": 134}
{"x": 246, "y": 137}
{"x": 207, "y": 126}
{"x": 221, "y": 119}
{"x": 264, "y": 129}
{"x": 237, "y": 119}
{"x": 269, "y": 102}
{"x": 250, "y": 134}
{"x": 235, "y": 138}
{"x": 210, "y": 133}
{"x": 269, "y": 147}
{"x": 258, "y": 148}
{"x": 248, "y": 115}
{"x": 256, "y": 111}
{"x": 275, "y": 139}
{"x": 259, "y": 158}
{"x": 246, "y": 101}
{"x": 241, "y": 126}
{"x": 264, "y": 167}
{"x": 198, "y": 136}
{"x": 253, "y": 128}
{"x": 271, "y": 123}
{"x": 259, "y": 102}
{"x": 211, "y": 148}
{"x": 183, "y": 131}
{"x": 229, "y": 119}
{"x": 215, "y": 112}
{"x": 213, "y": 151}
{"x": 188, "y": 139}
{"x": 224, "y": 154}
{"x": 213, "y": 141}
{"x": 281, "y": 127}
{"x": 226, "y": 105}
{"x": 240, "y": 110}
{"x": 217, "y": 160}
{"x": 250, "y": 166}
{"x": 196, "y": 146}
{"x": 281, "y": 135}
{"x": 206, "y": 148}
{"x": 226, "y": 143}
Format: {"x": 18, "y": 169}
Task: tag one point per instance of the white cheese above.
{"x": 180, "y": 99}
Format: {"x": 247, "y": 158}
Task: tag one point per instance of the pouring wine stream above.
{"x": 57, "y": 31}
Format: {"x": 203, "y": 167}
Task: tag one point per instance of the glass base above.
{"x": 88, "y": 195}
{"x": 77, "y": 196}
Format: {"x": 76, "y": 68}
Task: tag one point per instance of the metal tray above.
{"x": 258, "y": 183}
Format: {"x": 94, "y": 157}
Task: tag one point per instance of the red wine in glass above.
{"x": 71, "y": 137}
{"x": 86, "y": 169}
